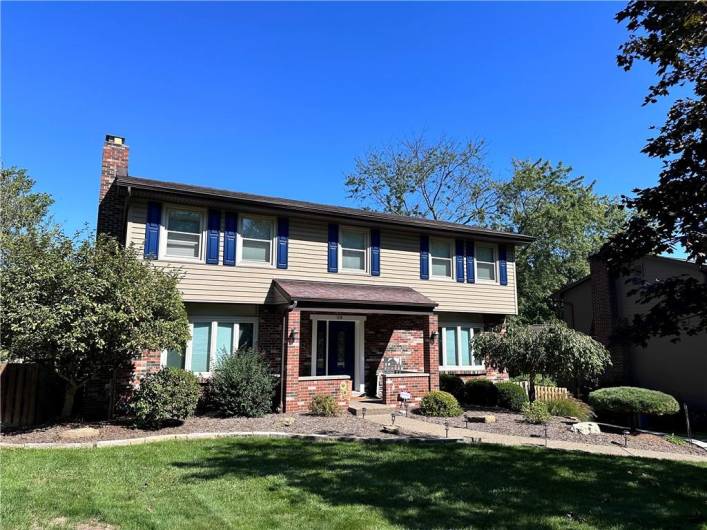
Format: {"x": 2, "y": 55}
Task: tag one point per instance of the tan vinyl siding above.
{"x": 307, "y": 259}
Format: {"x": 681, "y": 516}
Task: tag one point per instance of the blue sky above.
{"x": 280, "y": 98}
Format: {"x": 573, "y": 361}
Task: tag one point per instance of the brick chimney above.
{"x": 110, "y": 202}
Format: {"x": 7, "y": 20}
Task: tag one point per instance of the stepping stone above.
{"x": 79, "y": 434}
{"x": 489, "y": 418}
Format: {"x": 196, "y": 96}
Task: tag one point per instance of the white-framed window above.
{"x": 441, "y": 258}
{"x": 455, "y": 350}
{"x": 256, "y": 240}
{"x": 485, "y": 260}
{"x": 353, "y": 249}
{"x": 211, "y": 339}
{"x": 183, "y": 233}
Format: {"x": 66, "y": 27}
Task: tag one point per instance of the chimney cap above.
{"x": 117, "y": 140}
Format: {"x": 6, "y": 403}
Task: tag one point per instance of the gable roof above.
{"x": 312, "y": 208}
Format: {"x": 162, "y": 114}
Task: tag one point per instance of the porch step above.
{"x": 374, "y": 407}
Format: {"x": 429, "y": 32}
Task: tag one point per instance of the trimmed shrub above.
{"x": 452, "y": 384}
{"x": 165, "y": 396}
{"x": 535, "y": 412}
{"x": 324, "y": 405}
{"x": 481, "y": 392}
{"x": 439, "y": 403}
{"x": 242, "y": 385}
{"x": 511, "y": 396}
{"x": 633, "y": 400}
{"x": 569, "y": 407}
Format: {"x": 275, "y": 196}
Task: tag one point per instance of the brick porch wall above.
{"x": 416, "y": 385}
{"x": 308, "y": 387}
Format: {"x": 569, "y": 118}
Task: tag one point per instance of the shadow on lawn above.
{"x": 423, "y": 486}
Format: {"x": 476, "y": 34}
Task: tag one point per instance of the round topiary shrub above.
{"x": 452, "y": 384}
{"x": 633, "y": 400}
{"x": 481, "y": 392}
{"x": 324, "y": 405}
{"x": 168, "y": 395}
{"x": 439, "y": 403}
{"x": 242, "y": 385}
{"x": 535, "y": 412}
{"x": 511, "y": 396}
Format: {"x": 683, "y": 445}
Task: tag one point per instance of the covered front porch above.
{"x": 351, "y": 340}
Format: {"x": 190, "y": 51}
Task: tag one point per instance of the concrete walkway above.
{"x": 412, "y": 425}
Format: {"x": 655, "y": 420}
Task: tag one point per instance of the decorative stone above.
{"x": 489, "y": 418}
{"x": 586, "y": 427}
{"x": 391, "y": 429}
{"x": 287, "y": 421}
{"x": 79, "y": 434}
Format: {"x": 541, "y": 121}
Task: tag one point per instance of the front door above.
{"x": 342, "y": 348}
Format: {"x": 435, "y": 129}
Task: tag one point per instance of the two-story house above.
{"x": 340, "y": 300}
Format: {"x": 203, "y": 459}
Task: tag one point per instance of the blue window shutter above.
{"x": 213, "y": 237}
{"x": 502, "y": 265}
{"x": 283, "y": 236}
{"x": 375, "y": 252}
{"x": 470, "y": 278}
{"x": 229, "y": 239}
{"x": 459, "y": 259}
{"x": 152, "y": 230}
{"x": 424, "y": 257}
{"x": 333, "y": 248}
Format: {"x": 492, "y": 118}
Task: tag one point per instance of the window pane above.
{"x": 183, "y": 245}
{"x": 245, "y": 336}
{"x": 175, "y": 359}
{"x": 486, "y": 271}
{"x": 477, "y": 363}
{"x": 184, "y": 221}
{"x": 451, "y": 353}
{"x": 354, "y": 259}
{"x": 440, "y": 249}
{"x": 256, "y": 228}
{"x": 466, "y": 347}
{"x": 224, "y": 339}
{"x": 321, "y": 347}
{"x": 353, "y": 239}
{"x": 441, "y": 267}
{"x": 200, "y": 347}
{"x": 484, "y": 253}
{"x": 256, "y": 250}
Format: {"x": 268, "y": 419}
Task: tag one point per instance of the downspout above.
{"x": 282, "y": 355}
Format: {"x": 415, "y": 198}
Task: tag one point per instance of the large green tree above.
{"x": 448, "y": 181}
{"x": 671, "y": 215}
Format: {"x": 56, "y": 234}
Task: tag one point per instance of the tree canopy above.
{"x": 671, "y": 215}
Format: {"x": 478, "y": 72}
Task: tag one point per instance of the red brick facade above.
{"x": 416, "y": 385}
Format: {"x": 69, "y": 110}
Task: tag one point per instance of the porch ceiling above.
{"x": 351, "y": 294}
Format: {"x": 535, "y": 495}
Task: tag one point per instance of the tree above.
{"x": 552, "y": 350}
{"x": 672, "y": 214}
{"x": 22, "y": 209}
{"x": 448, "y": 181}
{"x": 85, "y": 308}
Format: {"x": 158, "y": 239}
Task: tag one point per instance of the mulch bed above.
{"x": 344, "y": 425}
{"x": 512, "y": 423}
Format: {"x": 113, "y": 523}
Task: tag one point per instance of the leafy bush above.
{"x": 481, "y": 392}
{"x": 168, "y": 395}
{"x": 540, "y": 380}
{"x": 633, "y": 400}
{"x": 242, "y": 385}
{"x": 452, "y": 384}
{"x": 569, "y": 407}
{"x": 535, "y": 412}
{"x": 511, "y": 396}
{"x": 324, "y": 405}
{"x": 439, "y": 403}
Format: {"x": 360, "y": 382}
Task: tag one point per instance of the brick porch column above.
{"x": 432, "y": 351}
{"x": 291, "y": 371}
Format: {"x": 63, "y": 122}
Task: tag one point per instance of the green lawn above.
{"x": 265, "y": 483}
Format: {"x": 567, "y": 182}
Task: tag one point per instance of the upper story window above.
{"x": 184, "y": 233}
{"x": 441, "y": 258}
{"x": 354, "y": 249}
{"x": 486, "y": 262}
{"x": 256, "y": 236}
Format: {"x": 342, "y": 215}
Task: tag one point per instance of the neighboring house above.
{"x": 599, "y": 304}
{"x": 340, "y": 300}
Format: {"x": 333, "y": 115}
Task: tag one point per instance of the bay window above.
{"x": 455, "y": 347}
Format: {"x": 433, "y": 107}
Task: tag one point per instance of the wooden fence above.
{"x": 29, "y": 395}
{"x": 546, "y": 392}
